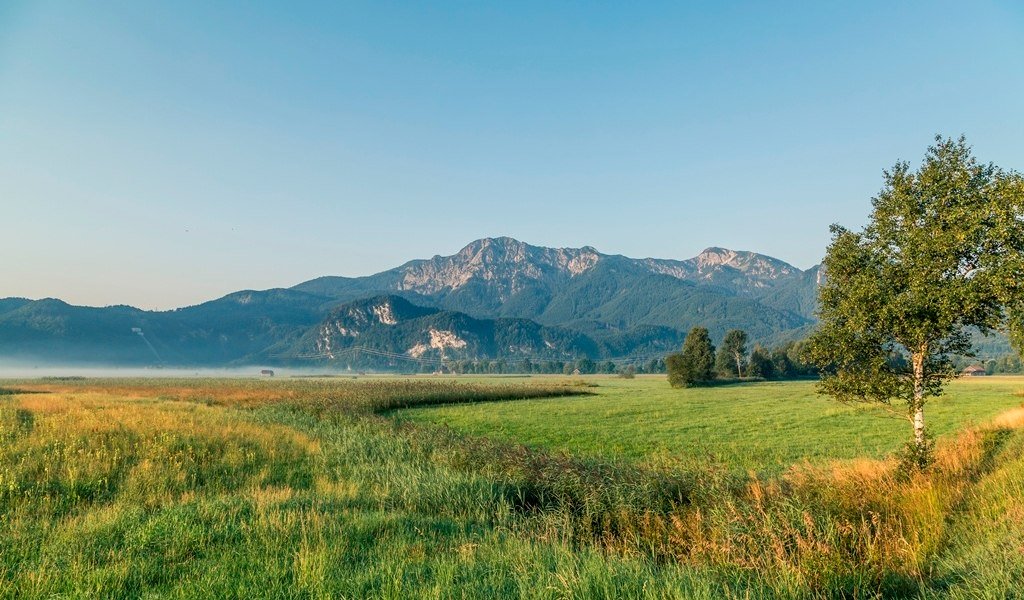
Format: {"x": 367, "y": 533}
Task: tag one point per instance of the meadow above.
{"x": 331, "y": 488}
{"x": 763, "y": 427}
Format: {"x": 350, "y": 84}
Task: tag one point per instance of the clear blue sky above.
{"x": 163, "y": 153}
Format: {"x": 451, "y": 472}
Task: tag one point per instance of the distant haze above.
{"x": 28, "y": 370}
{"x": 161, "y": 154}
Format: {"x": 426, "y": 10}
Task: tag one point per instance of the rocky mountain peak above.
{"x": 714, "y": 256}
{"x": 504, "y": 266}
{"x": 750, "y": 264}
{"x": 493, "y": 245}
{"x": 503, "y": 263}
{"x": 490, "y": 272}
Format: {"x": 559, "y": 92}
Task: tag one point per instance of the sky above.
{"x": 160, "y": 154}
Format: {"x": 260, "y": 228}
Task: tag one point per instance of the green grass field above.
{"x": 348, "y": 489}
{"x": 764, "y": 426}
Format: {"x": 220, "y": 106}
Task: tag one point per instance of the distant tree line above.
{"x": 1007, "y": 364}
{"x": 699, "y": 363}
{"x": 585, "y": 366}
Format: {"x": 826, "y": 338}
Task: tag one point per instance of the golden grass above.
{"x": 93, "y": 412}
{"x": 814, "y": 527}
{"x": 1011, "y": 419}
{"x": 817, "y": 524}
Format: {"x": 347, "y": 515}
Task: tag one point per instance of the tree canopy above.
{"x": 732, "y": 356}
{"x": 695, "y": 364}
{"x": 761, "y": 364}
{"x": 943, "y": 252}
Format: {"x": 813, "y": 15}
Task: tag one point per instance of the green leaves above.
{"x": 732, "y": 356}
{"x": 943, "y": 251}
{"x": 695, "y": 364}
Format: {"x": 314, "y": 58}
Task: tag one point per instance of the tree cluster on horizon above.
{"x": 585, "y": 366}
{"x": 699, "y": 363}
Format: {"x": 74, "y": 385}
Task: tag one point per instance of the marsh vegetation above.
{"x": 340, "y": 488}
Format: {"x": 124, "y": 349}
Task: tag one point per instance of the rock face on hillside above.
{"x": 758, "y": 269}
{"x": 583, "y": 288}
{"x": 745, "y": 272}
{"x": 387, "y": 330}
{"x": 509, "y": 266}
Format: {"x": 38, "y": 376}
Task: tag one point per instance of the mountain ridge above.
{"x": 431, "y": 276}
{"x": 494, "y": 289}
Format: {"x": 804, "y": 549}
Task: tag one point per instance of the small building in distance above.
{"x": 267, "y": 373}
{"x": 974, "y": 371}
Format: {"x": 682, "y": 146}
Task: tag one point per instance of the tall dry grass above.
{"x": 88, "y": 458}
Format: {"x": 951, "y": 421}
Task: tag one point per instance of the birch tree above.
{"x": 942, "y": 254}
{"x": 733, "y": 353}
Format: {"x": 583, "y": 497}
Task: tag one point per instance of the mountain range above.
{"x": 495, "y": 298}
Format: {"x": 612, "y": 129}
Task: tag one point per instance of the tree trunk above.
{"x": 739, "y": 366}
{"x": 917, "y": 407}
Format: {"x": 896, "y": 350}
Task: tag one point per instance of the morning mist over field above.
{"x": 511, "y": 300}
